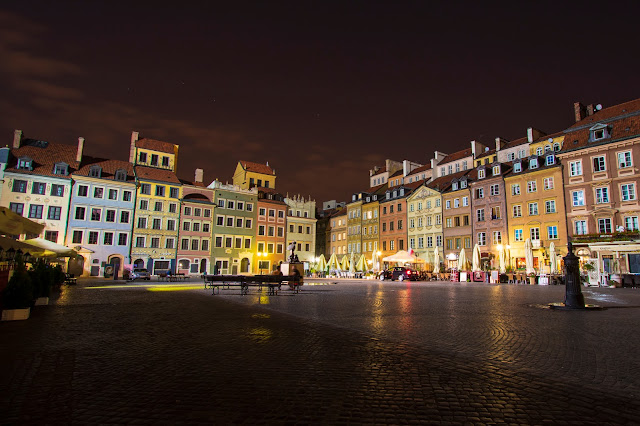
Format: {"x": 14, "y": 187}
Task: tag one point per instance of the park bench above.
{"x": 69, "y": 279}
{"x": 273, "y": 283}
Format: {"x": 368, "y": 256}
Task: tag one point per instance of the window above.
{"x": 480, "y": 215}
{"x": 113, "y": 194}
{"x": 98, "y": 192}
{"x": 19, "y": 185}
{"x": 552, "y": 232}
{"x": 108, "y": 238}
{"x": 449, "y": 222}
{"x": 122, "y": 239}
{"x": 168, "y": 243}
{"x": 517, "y": 167}
{"x": 165, "y": 161}
{"x": 230, "y": 221}
{"x": 599, "y": 164}
{"x": 184, "y": 244}
{"x": 439, "y": 240}
{"x": 456, "y": 203}
{"x": 496, "y": 170}
{"x": 539, "y": 150}
{"x": 54, "y": 213}
{"x": 517, "y": 234}
{"x": 187, "y": 211}
{"x": 262, "y": 211}
{"x": 480, "y": 193}
{"x": 144, "y": 204}
{"x": 438, "y": 220}
{"x": 628, "y": 191}
{"x": 205, "y": 227}
{"x": 281, "y": 214}
{"x": 145, "y": 189}
{"x": 532, "y": 186}
{"x": 465, "y": 201}
{"x": 143, "y": 157}
{"x": 599, "y": 131}
{"x": 261, "y": 230}
{"x": 173, "y": 207}
{"x": 550, "y": 160}
{"x": 604, "y": 226}
{"x": 157, "y": 224}
{"x": 271, "y": 231}
{"x": 533, "y": 209}
{"x": 204, "y": 246}
{"x": 231, "y": 204}
{"x": 228, "y": 242}
{"x": 515, "y": 189}
{"x": 481, "y": 174}
{"x": 142, "y": 222}
{"x": 17, "y": 208}
{"x": 575, "y": 168}
{"x": 126, "y": 195}
{"x": 195, "y": 244}
{"x": 624, "y": 159}
{"x": 174, "y": 192}
{"x": 534, "y": 233}
{"x": 96, "y": 214}
{"x": 578, "y": 198}
{"x": 158, "y": 206}
{"x": 77, "y": 237}
{"x": 580, "y": 227}
{"x": 511, "y": 156}
{"x": 495, "y": 212}
{"x": 602, "y": 195}
{"x": 482, "y": 238}
{"x": 497, "y": 237}
{"x": 93, "y": 237}
{"x": 550, "y": 206}
{"x": 447, "y": 204}
{"x": 495, "y": 189}
{"x": 35, "y": 211}
{"x": 24, "y": 163}
{"x": 111, "y": 216}
{"x": 248, "y": 223}
{"x": 140, "y": 242}
{"x": 631, "y": 223}
{"x": 38, "y": 188}
{"x": 239, "y": 222}
{"x": 548, "y": 183}
{"x": 154, "y": 159}
{"x": 57, "y": 190}
{"x": 121, "y": 175}
{"x": 272, "y": 213}
{"x": 80, "y": 212}
{"x": 155, "y": 242}
{"x": 159, "y": 191}
{"x": 517, "y": 210}
{"x": 533, "y": 163}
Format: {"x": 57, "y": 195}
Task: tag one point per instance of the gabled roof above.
{"x": 456, "y": 156}
{"x": 609, "y": 113}
{"x": 155, "y": 145}
{"x": 256, "y": 167}
{"x": 547, "y": 137}
{"x": 109, "y": 168}
{"x": 44, "y": 156}
{"x": 443, "y": 184}
{"x": 161, "y": 175}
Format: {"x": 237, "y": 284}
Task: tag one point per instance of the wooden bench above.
{"x": 69, "y": 279}
{"x": 273, "y": 283}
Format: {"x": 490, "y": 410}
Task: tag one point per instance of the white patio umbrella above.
{"x": 322, "y": 263}
{"x": 476, "y": 258}
{"x": 352, "y": 263}
{"x": 552, "y": 259}
{"x": 528, "y": 256}
{"x": 333, "y": 262}
{"x": 462, "y": 260}
{"x": 502, "y": 259}
{"x": 436, "y": 260}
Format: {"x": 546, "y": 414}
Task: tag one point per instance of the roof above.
{"x": 192, "y": 183}
{"x": 514, "y": 143}
{"x": 456, "y": 156}
{"x": 250, "y": 166}
{"x": 152, "y": 144}
{"x": 151, "y": 173}
{"x": 525, "y": 166}
{"x": 623, "y": 122}
{"x": 443, "y": 183}
{"x": 547, "y": 137}
{"x": 420, "y": 169}
{"x": 382, "y": 169}
{"x": 109, "y": 168}
{"x": 486, "y": 153}
{"x": 44, "y": 156}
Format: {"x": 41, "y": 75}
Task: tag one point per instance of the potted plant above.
{"x": 532, "y": 278}
{"x": 17, "y": 297}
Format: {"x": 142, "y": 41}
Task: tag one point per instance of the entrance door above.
{"x": 115, "y": 261}
{"x": 203, "y": 266}
{"x": 634, "y": 263}
{"x": 244, "y": 265}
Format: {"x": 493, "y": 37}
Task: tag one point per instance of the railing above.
{"x": 600, "y": 237}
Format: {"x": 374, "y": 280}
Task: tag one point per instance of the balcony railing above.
{"x": 602, "y": 237}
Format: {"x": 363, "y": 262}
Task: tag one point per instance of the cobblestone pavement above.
{"x": 345, "y": 352}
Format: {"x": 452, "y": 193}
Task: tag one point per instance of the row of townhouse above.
{"x": 138, "y": 213}
{"x": 577, "y": 185}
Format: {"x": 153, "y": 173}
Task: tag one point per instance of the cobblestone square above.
{"x": 337, "y": 352}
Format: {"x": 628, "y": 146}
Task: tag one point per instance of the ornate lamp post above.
{"x": 573, "y": 298}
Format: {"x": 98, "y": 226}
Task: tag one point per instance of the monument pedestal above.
{"x": 288, "y": 267}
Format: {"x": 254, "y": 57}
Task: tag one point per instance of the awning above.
{"x": 7, "y": 243}
{"x": 13, "y": 224}
{"x": 614, "y": 247}
{"x": 59, "y": 250}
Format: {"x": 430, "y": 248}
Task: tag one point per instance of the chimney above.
{"x": 17, "y": 138}
{"x": 199, "y": 175}
{"x": 590, "y": 110}
{"x": 405, "y": 167}
{"x": 579, "y": 111}
{"x": 500, "y": 143}
{"x": 132, "y": 151}
{"x": 80, "y": 149}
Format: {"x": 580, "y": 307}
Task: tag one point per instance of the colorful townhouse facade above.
{"x": 196, "y": 227}
{"x": 271, "y": 231}
{"x": 337, "y": 233}
{"x": 354, "y": 223}
{"x": 102, "y": 208}
{"x": 424, "y": 219}
{"x": 456, "y": 216}
{"x": 301, "y": 227}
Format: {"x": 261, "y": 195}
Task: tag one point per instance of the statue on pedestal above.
{"x": 293, "y": 257}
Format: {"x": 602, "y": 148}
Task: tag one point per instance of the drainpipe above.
{"x": 175, "y": 259}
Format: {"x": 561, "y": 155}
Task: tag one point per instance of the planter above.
{"x": 15, "y": 314}
{"x": 532, "y": 280}
{"x": 42, "y": 301}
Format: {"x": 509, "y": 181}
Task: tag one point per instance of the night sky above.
{"x": 321, "y": 90}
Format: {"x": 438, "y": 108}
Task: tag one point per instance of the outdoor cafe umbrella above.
{"x": 352, "y": 263}
{"x": 333, "y": 262}
{"x": 462, "y": 260}
{"x": 476, "y": 258}
{"x": 13, "y": 224}
{"x": 361, "y": 266}
{"x": 552, "y": 259}
{"x": 502, "y": 260}
{"x": 58, "y": 249}
{"x": 436, "y": 260}
{"x": 322, "y": 263}
{"x": 528, "y": 256}
{"x": 344, "y": 263}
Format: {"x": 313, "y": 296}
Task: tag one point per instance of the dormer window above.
{"x": 95, "y": 171}
{"x": 388, "y": 195}
{"x": 25, "y": 163}
{"x": 401, "y": 192}
{"x": 368, "y": 199}
{"x": 539, "y": 151}
{"x": 481, "y": 174}
{"x": 454, "y": 186}
{"x": 496, "y": 170}
{"x": 533, "y": 163}
{"x": 551, "y": 159}
{"x": 395, "y": 194}
{"x": 517, "y": 167}
{"x": 556, "y": 147}
{"x": 463, "y": 183}
{"x": 599, "y": 132}
{"x": 61, "y": 169}
{"x": 547, "y": 148}
{"x": 121, "y": 175}
{"x": 375, "y": 197}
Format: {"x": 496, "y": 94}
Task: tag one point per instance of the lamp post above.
{"x": 378, "y": 254}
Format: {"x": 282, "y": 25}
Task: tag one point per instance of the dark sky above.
{"x": 321, "y": 90}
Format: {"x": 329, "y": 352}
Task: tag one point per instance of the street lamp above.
{"x": 378, "y": 254}
{"x": 260, "y": 262}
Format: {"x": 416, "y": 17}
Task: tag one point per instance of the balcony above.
{"x": 598, "y": 238}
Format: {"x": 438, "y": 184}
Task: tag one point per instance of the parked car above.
{"x": 399, "y": 273}
{"x": 140, "y": 273}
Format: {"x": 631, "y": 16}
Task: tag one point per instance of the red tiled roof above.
{"x": 256, "y": 167}
{"x": 516, "y": 142}
{"x": 109, "y": 167}
{"x": 547, "y": 137}
{"x": 623, "y": 121}
{"x": 444, "y": 183}
{"x": 382, "y": 170}
{"x": 420, "y": 169}
{"x": 44, "y": 155}
{"x": 397, "y": 173}
{"x": 161, "y": 175}
{"x": 486, "y": 153}
{"x": 456, "y": 156}
{"x": 155, "y": 145}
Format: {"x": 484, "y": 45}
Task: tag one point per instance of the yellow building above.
{"x": 424, "y": 220}
{"x": 337, "y": 233}
{"x": 249, "y": 175}
{"x": 370, "y": 227}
